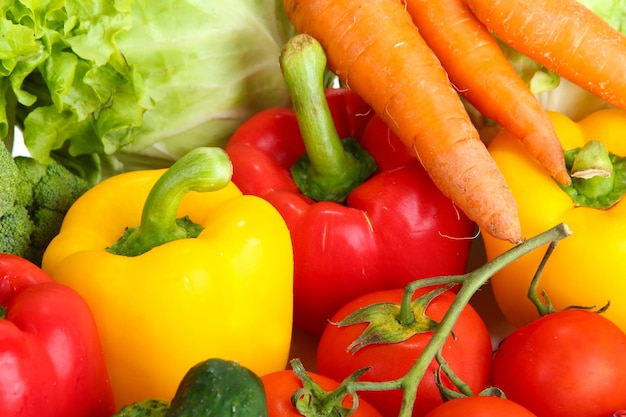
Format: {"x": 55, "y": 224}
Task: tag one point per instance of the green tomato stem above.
{"x": 312, "y": 401}
{"x": 463, "y": 387}
{"x": 470, "y": 283}
{"x": 203, "y": 169}
{"x": 543, "y": 307}
{"x": 331, "y": 167}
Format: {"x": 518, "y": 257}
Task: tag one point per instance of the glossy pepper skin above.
{"x": 51, "y": 360}
{"x": 226, "y": 293}
{"x": 394, "y": 228}
{"x": 587, "y": 268}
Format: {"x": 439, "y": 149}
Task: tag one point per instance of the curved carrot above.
{"x": 484, "y": 76}
{"x": 374, "y": 48}
{"x": 564, "y": 36}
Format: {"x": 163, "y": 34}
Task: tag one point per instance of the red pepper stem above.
{"x": 331, "y": 171}
{"x": 203, "y": 169}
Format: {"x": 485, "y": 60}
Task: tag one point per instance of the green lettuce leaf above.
{"x": 138, "y": 82}
{"x": 612, "y": 11}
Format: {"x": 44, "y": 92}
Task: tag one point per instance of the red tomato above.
{"x": 480, "y": 406}
{"x": 468, "y": 353}
{"x": 280, "y": 386}
{"x": 567, "y": 363}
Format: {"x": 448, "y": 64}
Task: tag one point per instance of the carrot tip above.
{"x": 563, "y": 177}
{"x": 505, "y": 227}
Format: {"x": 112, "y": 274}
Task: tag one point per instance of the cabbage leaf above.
{"x": 137, "y": 82}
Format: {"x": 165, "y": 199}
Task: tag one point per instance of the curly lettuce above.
{"x": 137, "y": 82}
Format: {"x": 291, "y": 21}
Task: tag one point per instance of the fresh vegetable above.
{"x": 480, "y": 406}
{"x": 590, "y": 259}
{"x": 219, "y": 388}
{"x": 200, "y": 271}
{"x": 145, "y": 408}
{"x": 295, "y": 393}
{"x": 371, "y": 332}
{"x": 367, "y": 239}
{"x": 392, "y": 324}
{"x": 52, "y": 361}
{"x": 554, "y": 92}
{"x": 613, "y": 12}
{"x": 483, "y": 75}
{"x": 137, "y": 82}
{"x": 375, "y": 49}
{"x": 34, "y": 199}
{"x": 213, "y": 387}
{"x": 586, "y": 50}
{"x": 566, "y": 363}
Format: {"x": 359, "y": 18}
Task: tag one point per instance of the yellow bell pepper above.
{"x": 589, "y": 267}
{"x": 202, "y": 271}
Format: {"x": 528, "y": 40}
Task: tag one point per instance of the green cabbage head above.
{"x": 136, "y": 82}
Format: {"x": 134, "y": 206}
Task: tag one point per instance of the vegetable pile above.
{"x": 378, "y": 51}
{"x": 357, "y": 208}
{"x": 588, "y": 269}
{"x": 197, "y": 198}
{"x": 34, "y": 198}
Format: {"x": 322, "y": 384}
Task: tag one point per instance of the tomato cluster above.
{"x": 569, "y": 362}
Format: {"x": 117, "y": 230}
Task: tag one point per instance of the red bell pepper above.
{"x": 391, "y": 226}
{"x": 51, "y": 361}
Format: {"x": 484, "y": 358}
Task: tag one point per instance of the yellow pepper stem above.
{"x": 597, "y": 176}
{"x": 202, "y": 169}
{"x": 593, "y": 166}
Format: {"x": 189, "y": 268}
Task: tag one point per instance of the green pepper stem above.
{"x": 202, "y": 169}
{"x": 329, "y": 170}
{"x": 592, "y": 170}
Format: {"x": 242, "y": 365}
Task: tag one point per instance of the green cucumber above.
{"x": 146, "y": 408}
{"x": 219, "y": 388}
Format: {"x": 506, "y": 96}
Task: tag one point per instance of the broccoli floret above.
{"x": 34, "y": 198}
{"x": 9, "y": 175}
{"x": 15, "y": 223}
{"x": 15, "y": 231}
{"x": 56, "y": 189}
{"x": 46, "y": 225}
{"x": 30, "y": 172}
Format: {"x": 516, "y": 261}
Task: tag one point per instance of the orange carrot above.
{"x": 375, "y": 49}
{"x": 564, "y": 36}
{"x": 484, "y": 76}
